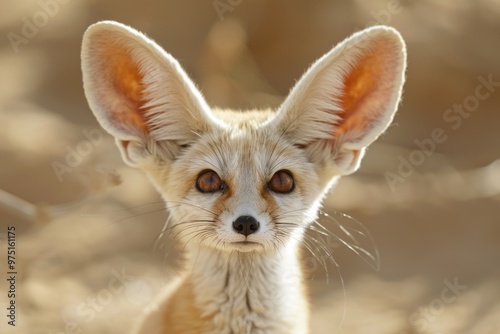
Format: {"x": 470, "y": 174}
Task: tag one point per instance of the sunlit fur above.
{"x": 162, "y": 125}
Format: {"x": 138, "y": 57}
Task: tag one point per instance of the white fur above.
{"x": 274, "y": 297}
{"x": 172, "y": 135}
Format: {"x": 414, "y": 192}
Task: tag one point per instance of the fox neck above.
{"x": 245, "y": 291}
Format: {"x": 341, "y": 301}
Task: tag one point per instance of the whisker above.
{"x": 135, "y": 216}
{"x": 355, "y": 244}
{"x": 180, "y": 203}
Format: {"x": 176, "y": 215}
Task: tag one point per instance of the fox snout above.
{"x": 246, "y": 225}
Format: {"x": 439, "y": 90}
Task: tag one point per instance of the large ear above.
{"x": 140, "y": 94}
{"x": 346, "y": 99}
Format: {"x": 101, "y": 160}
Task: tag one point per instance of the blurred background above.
{"x": 425, "y": 211}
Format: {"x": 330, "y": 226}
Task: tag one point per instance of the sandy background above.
{"x": 437, "y": 228}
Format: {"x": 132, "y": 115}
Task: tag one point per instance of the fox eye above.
{"x": 282, "y": 182}
{"x": 209, "y": 182}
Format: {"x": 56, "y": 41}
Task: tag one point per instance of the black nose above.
{"x": 246, "y": 225}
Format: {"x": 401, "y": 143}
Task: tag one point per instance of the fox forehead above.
{"x": 245, "y": 147}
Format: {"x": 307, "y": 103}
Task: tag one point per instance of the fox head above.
{"x": 249, "y": 180}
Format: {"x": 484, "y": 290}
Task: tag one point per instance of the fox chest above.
{"x": 241, "y": 313}
{"x": 242, "y": 305}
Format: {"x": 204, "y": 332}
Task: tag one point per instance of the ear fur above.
{"x": 139, "y": 93}
{"x": 346, "y": 99}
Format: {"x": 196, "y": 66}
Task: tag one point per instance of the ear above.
{"x": 140, "y": 94}
{"x": 346, "y": 99}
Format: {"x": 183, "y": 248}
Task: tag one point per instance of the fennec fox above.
{"x": 241, "y": 187}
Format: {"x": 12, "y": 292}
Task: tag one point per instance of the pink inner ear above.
{"x": 125, "y": 100}
{"x": 368, "y": 89}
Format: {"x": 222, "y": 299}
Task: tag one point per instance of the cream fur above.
{"x": 162, "y": 125}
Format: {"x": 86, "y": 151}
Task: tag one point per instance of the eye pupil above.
{"x": 282, "y": 182}
{"x": 209, "y": 182}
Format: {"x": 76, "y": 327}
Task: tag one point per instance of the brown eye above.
{"x": 209, "y": 182}
{"x": 282, "y": 182}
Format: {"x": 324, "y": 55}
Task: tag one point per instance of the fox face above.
{"x": 240, "y": 186}
{"x": 242, "y": 181}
